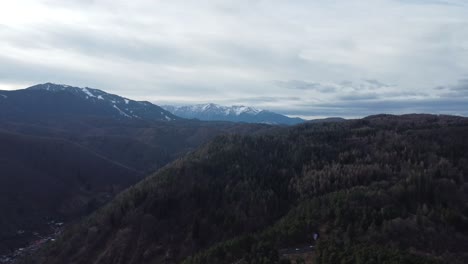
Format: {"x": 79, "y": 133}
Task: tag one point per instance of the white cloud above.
{"x": 232, "y": 51}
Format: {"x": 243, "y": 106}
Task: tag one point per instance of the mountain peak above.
{"x": 53, "y": 87}
{"x": 213, "y": 108}
{"x": 241, "y": 109}
{"x": 78, "y": 101}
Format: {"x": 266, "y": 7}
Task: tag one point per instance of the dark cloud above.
{"x": 401, "y": 106}
{"x": 303, "y": 85}
{"x": 402, "y": 94}
{"x": 346, "y": 83}
{"x": 369, "y": 107}
{"x": 265, "y": 99}
{"x": 358, "y": 97}
{"x": 377, "y": 83}
{"x": 459, "y": 90}
{"x": 461, "y": 86}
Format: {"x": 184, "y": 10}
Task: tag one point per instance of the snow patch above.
{"x": 240, "y": 109}
{"x": 100, "y": 97}
{"x": 86, "y": 91}
{"x": 167, "y": 118}
{"x": 4, "y": 96}
{"x": 121, "y": 112}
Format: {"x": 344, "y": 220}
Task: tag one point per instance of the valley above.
{"x": 107, "y": 187}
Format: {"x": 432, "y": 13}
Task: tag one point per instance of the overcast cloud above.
{"x": 346, "y": 58}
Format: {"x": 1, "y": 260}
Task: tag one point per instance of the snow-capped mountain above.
{"x": 236, "y": 113}
{"x": 51, "y": 99}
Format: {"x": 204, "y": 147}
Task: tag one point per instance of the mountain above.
{"x": 383, "y": 189}
{"x": 50, "y": 100}
{"x": 236, "y": 113}
{"x": 64, "y": 153}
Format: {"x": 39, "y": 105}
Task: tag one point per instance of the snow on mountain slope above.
{"x": 54, "y": 99}
{"x": 215, "y": 109}
{"x": 235, "y": 113}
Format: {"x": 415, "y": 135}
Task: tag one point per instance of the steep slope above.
{"x": 236, "y": 113}
{"x": 45, "y": 101}
{"x": 384, "y": 189}
{"x": 44, "y": 179}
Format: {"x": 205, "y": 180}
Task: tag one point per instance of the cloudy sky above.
{"x": 307, "y": 58}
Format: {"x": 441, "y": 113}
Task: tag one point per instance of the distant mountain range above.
{"x": 55, "y": 100}
{"x": 236, "y": 113}
{"x": 51, "y": 101}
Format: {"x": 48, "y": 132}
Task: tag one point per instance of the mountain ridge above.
{"x": 234, "y": 113}
{"x": 50, "y": 100}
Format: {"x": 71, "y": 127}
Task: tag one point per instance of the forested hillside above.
{"x": 44, "y": 179}
{"x": 142, "y": 145}
{"x": 384, "y": 189}
{"x": 61, "y": 169}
